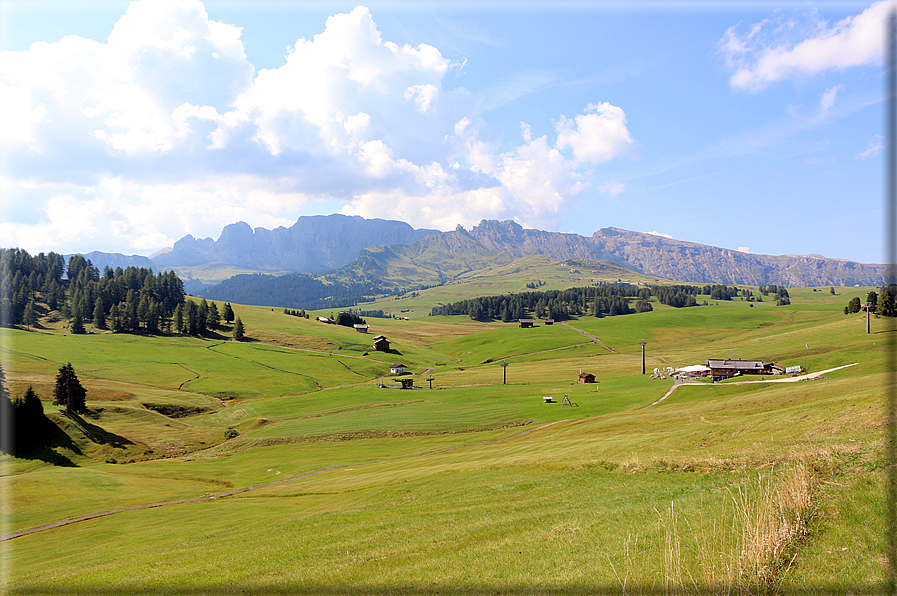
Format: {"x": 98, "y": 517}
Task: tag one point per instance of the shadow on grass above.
{"x": 97, "y": 434}
{"x": 41, "y": 446}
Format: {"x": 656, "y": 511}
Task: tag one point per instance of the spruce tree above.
{"x": 68, "y": 391}
{"x": 99, "y": 314}
{"x": 228, "y": 312}
{"x": 30, "y": 318}
{"x": 238, "y": 330}
{"x": 77, "y": 325}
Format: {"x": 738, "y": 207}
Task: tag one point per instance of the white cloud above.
{"x": 598, "y": 135}
{"x": 873, "y": 148}
{"x": 779, "y": 48}
{"x": 660, "y": 234}
{"x": 746, "y": 249}
{"x": 613, "y": 188}
{"x": 827, "y": 101}
{"x": 166, "y": 129}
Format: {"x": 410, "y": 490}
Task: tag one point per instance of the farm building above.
{"x": 380, "y": 344}
{"x": 548, "y": 321}
{"x": 586, "y": 378}
{"x": 361, "y": 327}
{"x": 725, "y": 369}
{"x": 326, "y": 320}
{"x": 397, "y": 369}
{"x": 526, "y": 323}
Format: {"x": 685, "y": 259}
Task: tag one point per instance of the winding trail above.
{"x": 595, "y": 340}
{"x": 238, "y": 491}
{"x": 807, "y": 377}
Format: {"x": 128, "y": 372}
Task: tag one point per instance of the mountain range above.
{"x": 393, "y": 253}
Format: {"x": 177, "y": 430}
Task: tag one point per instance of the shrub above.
{"x": 230, "y": 433}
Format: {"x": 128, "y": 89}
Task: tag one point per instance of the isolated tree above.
{"x": 238, "y": 330}
{"x": 228, "y": 312}
{"x": 832, "y": 290}
{"x": 854, "y": 305}
{"x": 68, "y": 391}
{"x": 29, "y": 420}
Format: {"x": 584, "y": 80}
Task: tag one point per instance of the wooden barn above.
{"x": 548, "y": 321}
{"x": 526, "y": 323}
{"x": 380, "y": 344}
{"x": 586, "y": 378}
{"x": 361, "y": 327}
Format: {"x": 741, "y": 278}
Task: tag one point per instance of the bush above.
{"x": 231, "y": 433}
{"x": 111, "y": 460}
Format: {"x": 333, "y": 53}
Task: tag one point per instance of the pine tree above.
{"x": 213, "y": 318}
{"x": 99, "y": 314}
{"x": 238, "y": 330}
{"x": 179, "y": 319}
{"x": 29, "y": 318}
{"x": 68, "y": 391}
{"x": 77, "y": 325}
{"x": 228, "y": 312}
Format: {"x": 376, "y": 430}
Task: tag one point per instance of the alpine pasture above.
{"x": 333, "y": 485}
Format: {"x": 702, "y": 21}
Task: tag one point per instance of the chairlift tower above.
{"x": 504, "y": 372}
{"x": 867, "y": 307}
{"x": 642, "y": 344}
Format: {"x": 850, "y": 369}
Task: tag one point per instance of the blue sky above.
{"x": 751, "y": 126}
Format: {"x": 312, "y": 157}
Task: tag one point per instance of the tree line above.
{"x": 123, "y": 300}
{"x": 883, "y": 302}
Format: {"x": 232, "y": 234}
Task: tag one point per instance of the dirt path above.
{"x": 595, "y": 340}
{"x": 807, "y": 377}
{"x": 238, "y": 491}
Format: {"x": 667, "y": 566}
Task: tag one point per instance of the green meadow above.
{"x": 331, "y": 484}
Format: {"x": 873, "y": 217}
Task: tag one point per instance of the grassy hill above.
{"x": 334, "y": 485}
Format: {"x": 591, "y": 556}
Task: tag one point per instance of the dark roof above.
{"x": 396, "y": 366}
{"x": 379, "y": 337}
{"x": 527, "y": 320}
{"x": 735, "y": 364}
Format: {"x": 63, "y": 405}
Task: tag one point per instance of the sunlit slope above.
{"x": 461, "y": 485}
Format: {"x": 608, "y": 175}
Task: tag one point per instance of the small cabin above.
{"x": 526, "y": 323}
{"x": 397, "y": 369}
{"x": 326, "y": 320}
{"x": 380, "y": 344}
{"x": 586, "y": 378}
{"x": 361, "y": 327}
{"x": 548, "y": 321}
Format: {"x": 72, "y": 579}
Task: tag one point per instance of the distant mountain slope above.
{"x": 434, "y": 260}
{"x": 675, "y": 259}
{"x": 313, "y": 243}
{"x": 113, "y": 260}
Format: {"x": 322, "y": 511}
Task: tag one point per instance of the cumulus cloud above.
{"x": 655, "y": 233}
{"x": 746, "y": 249}
{"x": 166, "y": 129}
{"x": 598, "y": 135}
{"x": 780, "y": 48}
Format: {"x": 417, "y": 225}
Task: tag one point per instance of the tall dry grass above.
{"x": 747, "y": 548}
